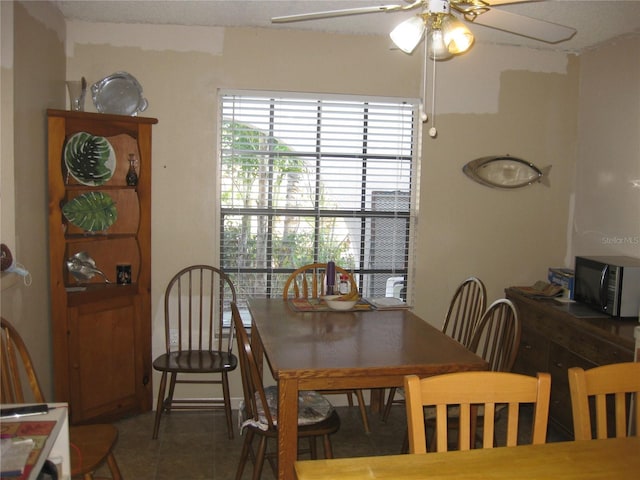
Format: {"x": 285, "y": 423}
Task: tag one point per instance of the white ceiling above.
{"x": 595, "y": 21}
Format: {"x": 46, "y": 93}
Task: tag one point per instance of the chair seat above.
{"x": 97, "y": 444}
{"x": 313, "y": 408}
{"x": 196, "y": 361}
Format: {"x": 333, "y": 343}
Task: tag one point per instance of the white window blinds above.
{"x": 309, "y": 179}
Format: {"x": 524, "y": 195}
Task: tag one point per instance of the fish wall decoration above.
{"x": 505, "y": 171}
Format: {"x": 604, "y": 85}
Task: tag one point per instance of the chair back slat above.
{"x": 15, "y": 367}
{"x": 466, "y": 307}
{"x": 473, "y": 394}
{"x": 608, "y": 394}
{"x": 194, "y": 305}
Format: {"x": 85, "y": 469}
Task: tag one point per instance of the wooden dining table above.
{"x": 607, "y": 459}
{"x": 331, "y": 350}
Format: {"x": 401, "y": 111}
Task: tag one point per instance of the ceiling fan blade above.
{"x": 493, "y": 3}
{"x": 336, "y": 13}
{"x": 524, "y": 26}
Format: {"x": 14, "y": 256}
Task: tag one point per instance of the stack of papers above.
{"x": 15, "y": 453}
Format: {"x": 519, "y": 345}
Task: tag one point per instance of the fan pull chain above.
{"x": 432, "y": 131}
{"x": 423, "y": 108}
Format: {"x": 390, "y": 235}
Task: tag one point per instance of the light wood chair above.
{"x": 496, "y": 339}
{"x": 194, "y": 302}
{"x": 308, "y": 281}
{"x": 466, "y": 307}
{"x": 616, "y": 385}
{"x": 468, "y": 392}
{"x": 91, "y": 445}
{"x": 258, "y": 413}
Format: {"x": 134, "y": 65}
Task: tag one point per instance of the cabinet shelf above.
{"x": 98, "y": 237}
{"x": 87, "y": 188}
{"x": 99, "y": 292}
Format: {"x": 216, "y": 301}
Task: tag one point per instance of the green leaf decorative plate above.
{"x": 91, "y": 160}
{"x": 92, "y": 211}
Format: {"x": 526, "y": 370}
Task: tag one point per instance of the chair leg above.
{"x": 363, "y": 411}
{"x": 262, "y": 451}
{"x": 313, "y": 451}
{"x": 328, "y": 450}
{"x": 168, "y": 402}
{"x": 244, "y": 454}
{"x": 113, "y": 467}
{"x": 227, "y": 404}
{"x": 387, "y": 406}
{"x": 159, "y": 404}
{"x": 350, "y": 399}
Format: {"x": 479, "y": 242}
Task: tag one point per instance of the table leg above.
{"x": 377, "y": 400}
{"x": 287, "y": 427}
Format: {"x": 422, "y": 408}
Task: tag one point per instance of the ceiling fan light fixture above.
{"x": 457, "y": 37}
{"x": 407, "y": 35}
{"x": 437, "y": 49}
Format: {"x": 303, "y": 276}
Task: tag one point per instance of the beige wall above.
{"x": 494, "y": 100}
{"x": 607, "y": 211}
{"x": 38, "y": 74}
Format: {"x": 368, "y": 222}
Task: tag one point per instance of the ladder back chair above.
{"x": 308, "y": 281}
{"x": 617, "y": 386}
{"x": 465, "y": 310}
{"x": 194, "y": 302}
{"x": 259, "y": 415}
{"x": 468, "y": 392}
{"x": 93, "y": 444}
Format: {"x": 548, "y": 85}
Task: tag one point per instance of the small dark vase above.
{"x": 132, "y": 176}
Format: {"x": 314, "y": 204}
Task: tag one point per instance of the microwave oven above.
{"x": 609, "y": 284}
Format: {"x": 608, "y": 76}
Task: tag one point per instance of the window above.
{"x": 307, "y": 179}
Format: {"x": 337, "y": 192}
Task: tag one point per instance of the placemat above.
{"x": 318, "y": 305}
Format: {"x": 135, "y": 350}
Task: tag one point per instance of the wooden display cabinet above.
{"x": 101, "y": 331}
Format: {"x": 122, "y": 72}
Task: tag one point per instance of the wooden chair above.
{"x": 259, "y": 416}
{"x": 194, "y": 302}
{"x": 466, "y": 307}
{"x": 468, "y": 392}
{"x": 91, "y": 445}
{"x": 308, "y": 281}
{"x": 465, "y": 310}
{"x": 616, "y": 385}
{"x": 497, "y": 335}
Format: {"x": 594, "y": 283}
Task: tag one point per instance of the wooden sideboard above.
{"x": 558, "y": 335}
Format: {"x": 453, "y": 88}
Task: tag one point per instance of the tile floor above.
{"x": 194, "y": 445}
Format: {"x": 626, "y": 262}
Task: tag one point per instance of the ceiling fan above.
{"x": 436, "y": 18}
{"x": 444, "y": 34}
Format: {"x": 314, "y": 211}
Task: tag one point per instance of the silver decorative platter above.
{"x": 119, "y": 94}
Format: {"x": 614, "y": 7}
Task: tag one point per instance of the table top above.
{"x": 594, "y": 459}
{"x": 367, "y": 344}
